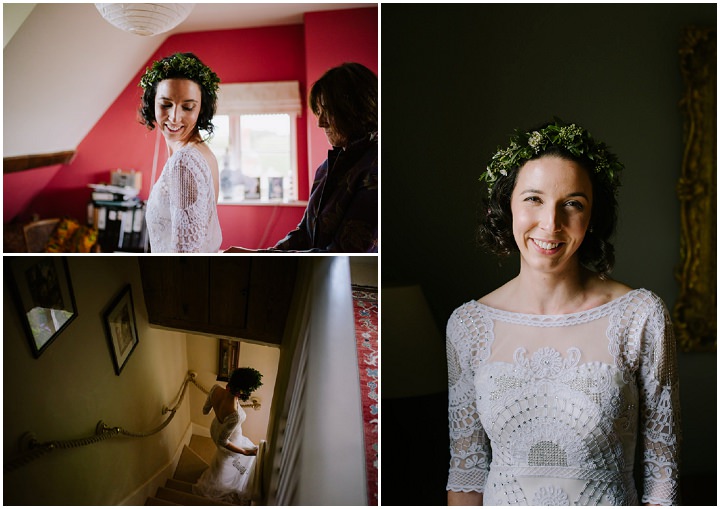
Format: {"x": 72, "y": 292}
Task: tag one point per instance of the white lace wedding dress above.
{"x": 182, "y": 207}
{"x": 230, "y": 475}
{"x": 547, "y": 410}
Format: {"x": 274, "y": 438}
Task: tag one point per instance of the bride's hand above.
{"x": 250, "y": 452}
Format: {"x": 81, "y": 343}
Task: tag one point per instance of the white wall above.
{"x": 332, "y": 458}
{"x": 364, "y": 270}
{"x": 73, "y": 385}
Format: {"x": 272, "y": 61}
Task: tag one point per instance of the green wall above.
{"x": 458, "y": 79}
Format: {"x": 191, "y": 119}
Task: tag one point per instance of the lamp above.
{"x": 413, "y": 350}
{"x": 414, "y": 402}
{"x": 145, "y": 19}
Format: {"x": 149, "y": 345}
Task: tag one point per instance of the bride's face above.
{"x": 551, "y": 209}
{"x": 177, "y": 108}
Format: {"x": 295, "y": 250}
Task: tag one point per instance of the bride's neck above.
{"x": 549, "y": 293}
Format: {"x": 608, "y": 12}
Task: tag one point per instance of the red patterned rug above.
{"x": 365, "y": 305}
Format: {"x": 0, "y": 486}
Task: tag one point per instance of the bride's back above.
{"x": 223, "y": 403}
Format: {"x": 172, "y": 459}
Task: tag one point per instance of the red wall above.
{"x": 20, "y": 188}
{"x": 333, "y": 38}
{"x": 118, "y": 140}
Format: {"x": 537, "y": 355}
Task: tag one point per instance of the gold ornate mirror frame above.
{"x": 695, "y": 312}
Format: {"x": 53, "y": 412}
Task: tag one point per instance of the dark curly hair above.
{"x": 596, "y": 251}
{"x": 208, "y": 102}
{"x": 349, "y": 95}
{"x": 243, "y": 381}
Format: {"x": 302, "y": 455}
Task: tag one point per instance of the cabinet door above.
{"x": 272, "y": 282}
{"x": 229, "y": 294}
{"x": 176, "y": 291}
{"x": 237, "y": 297}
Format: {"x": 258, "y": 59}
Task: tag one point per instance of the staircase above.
{"x": 194, "y": 459}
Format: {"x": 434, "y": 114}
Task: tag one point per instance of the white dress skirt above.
{"x": 230, "y": 475}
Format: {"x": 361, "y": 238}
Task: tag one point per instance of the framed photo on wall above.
{"x": 121, "y": 328}
{"x": 43, "y": 293}
{"x": 228, "y": 358}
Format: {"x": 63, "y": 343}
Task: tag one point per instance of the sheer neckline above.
{"x": 574, "y": 317}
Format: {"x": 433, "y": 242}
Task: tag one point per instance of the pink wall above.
{"x": 118, "y": 140}
{"x": 333, "y": 38}
{"x": 21, "y": 188}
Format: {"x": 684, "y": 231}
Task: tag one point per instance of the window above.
{"x": 255, "y": 141}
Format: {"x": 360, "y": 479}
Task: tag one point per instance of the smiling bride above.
{"x": 559, "y": 375}
{"x": 180, "y": 97}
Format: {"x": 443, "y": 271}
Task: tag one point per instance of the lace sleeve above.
{"x": 659, "y": 408}
{"x": 227, "y": 427}
{"x": 189, "y": 213}
{"x": 469, "y": 445}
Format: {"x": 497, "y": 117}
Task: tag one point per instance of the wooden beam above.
{"x": 28, "y": 162}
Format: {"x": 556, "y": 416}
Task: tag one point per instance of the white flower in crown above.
{"x": 535, "y": 140}
{"x": 572, "y": 138}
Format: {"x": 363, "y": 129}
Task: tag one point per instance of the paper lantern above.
{"x": 145, "y": 19}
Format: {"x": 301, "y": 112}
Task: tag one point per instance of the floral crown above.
{"x": 181, "y": 64}
{"x": 573, "y": 139}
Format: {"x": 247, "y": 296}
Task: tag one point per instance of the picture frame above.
{"x": 275, "y": 188}
{"x": 43, "y": 294}
{"x": 121, "y": 328}
{"x": 695, "y": 310}
{"x": 228, "y": 358}
{"x": 252, "y": 188}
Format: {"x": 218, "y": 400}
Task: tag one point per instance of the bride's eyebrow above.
{"x": 163, "y": 98}
{"x": 579, "y": 194}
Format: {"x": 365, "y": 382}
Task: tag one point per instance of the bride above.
{"x": 233, "y": 467}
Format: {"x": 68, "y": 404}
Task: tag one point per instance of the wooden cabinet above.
{"x": 234, "y": 296}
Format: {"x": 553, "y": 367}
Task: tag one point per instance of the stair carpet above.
{"x": 193, "y": 461}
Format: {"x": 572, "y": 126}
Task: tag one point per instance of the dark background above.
{"x": 456, "y": 81}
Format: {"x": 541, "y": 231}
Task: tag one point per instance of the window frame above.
{"x": 277, "y": 97}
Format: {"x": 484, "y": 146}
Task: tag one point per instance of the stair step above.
{"x": 182, "y": 498}
{"x": 158, "y": 501}
{"x": 190, "y": 466}
{"x": 203, "y": 447}
{"x": 179, "y": 485}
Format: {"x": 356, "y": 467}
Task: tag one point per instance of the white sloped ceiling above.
{"x": 65, "y": 65}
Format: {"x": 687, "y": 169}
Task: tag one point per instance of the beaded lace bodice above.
{"x": 548, "y": 410}
{"x": 182, "y": 207}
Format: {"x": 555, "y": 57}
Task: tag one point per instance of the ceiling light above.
{"x": 145, "y": 19}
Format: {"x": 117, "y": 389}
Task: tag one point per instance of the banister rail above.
{"x": 31, "y": 449}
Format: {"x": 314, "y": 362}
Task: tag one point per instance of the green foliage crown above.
{"x": 573, "y": 139}
{"x": 180, "y": 65}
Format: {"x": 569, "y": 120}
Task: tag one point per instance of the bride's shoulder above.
{"x": 607, "y": 290}
{"x": 206, "y": 153}
{"x": 500, "y": 297}
{"x": 198, "y": 153}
